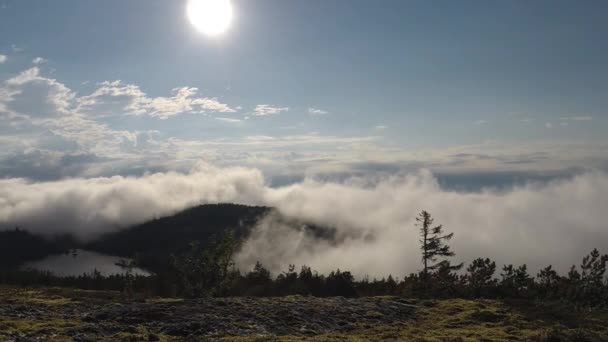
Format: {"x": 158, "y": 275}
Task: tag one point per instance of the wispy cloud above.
{"x": 39, "y": 60}
{"x": 230, "y": 120}
{"x": 565, "y": 121}
{"x": 381, "y": 127}
{"x": 3, "y": 59}
{"x": 264, "y": 109}
{"x": 316, "y": 111}
{"x": 577, "y": 118}
{"x": 481, "y": 122}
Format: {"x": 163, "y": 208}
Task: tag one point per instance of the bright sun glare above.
{"x": 211, "y": 17}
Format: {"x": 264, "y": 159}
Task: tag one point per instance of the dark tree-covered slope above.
{"x": 18, "y": 246}
{"x": 155, "y": 240}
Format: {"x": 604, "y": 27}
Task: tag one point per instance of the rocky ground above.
{"x": 71, "y": 315}
{"x": 82, "y": 315}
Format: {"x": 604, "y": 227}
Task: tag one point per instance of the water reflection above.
{"x": 79, "y": 262}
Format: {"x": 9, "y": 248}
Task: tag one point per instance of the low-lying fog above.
{"x": 555, "y": 222}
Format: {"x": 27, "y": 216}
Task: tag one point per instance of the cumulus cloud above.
{"x": 113, "y": 96}
{"x": 3, "y": 59}
{"x": 44, "y": 111}
{"x": 42, "y": 116}
{"x": 264, "y": 109}
{"x": 371, "y": 219}
{"x": 32, "y": 95}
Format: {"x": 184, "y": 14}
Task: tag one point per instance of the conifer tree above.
{"x": 433, "y": 245}
{"x": 548, "y": 281}
{"x": 480, "y": 275}
{"x": 515, "y": 281}
{"x": 593, "y": 270}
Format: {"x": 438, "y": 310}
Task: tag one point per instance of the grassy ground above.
{"x": 60, "y": 315}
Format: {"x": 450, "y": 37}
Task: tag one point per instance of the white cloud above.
{"x": 50, "y": 132}
{"x": 306, "y": 139}
{"x": 35, "y": 95}
{"x": 44, "y": 107}
{"x": 93, "y": 137}
{"x": 184, "y": 101}
{"x": 87, "y": 207}
{"x": 29, "y": 75}
{"x": 316, "y": 111}
{"x": 263, "y": 110}
{"x": 39, "y": 60}
{"x": 230, "y": 120}
{"x": 481, "y": 122}
{"x": 113, "y": 96}
{"x": 3, "y": 59}
{"x": 373, "y": 221}
{"x": 41, "y": 107}
{"x": 374, "y": 225}
{"x": 38, "y": 113}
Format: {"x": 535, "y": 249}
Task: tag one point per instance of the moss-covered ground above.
{"x": 73, "y": 315}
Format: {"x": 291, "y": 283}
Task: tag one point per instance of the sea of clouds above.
{"x": 539, "y": 224}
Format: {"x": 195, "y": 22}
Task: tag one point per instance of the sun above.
{"x": 211, "y": 17}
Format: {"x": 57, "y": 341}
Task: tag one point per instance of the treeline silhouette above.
{"x": 18, "y": 246}
{"x": 208, "y": 269}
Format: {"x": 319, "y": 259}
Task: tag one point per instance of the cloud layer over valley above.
{"x": 552, "y": 223}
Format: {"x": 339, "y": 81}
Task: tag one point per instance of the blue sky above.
{"x": 303, "y": 87}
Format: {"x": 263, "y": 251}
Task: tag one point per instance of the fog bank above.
{"x": 555, "y": 223}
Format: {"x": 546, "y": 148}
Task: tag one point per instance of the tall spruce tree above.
{"x": 433, "y": 245}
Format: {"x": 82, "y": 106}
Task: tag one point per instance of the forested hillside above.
{"x": 152, "y": 242}
{"x": 18, "y": 246}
